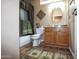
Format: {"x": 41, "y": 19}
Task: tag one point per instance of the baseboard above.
{"x": 72, "y": 52}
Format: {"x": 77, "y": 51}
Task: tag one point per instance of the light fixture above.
{"x": 47, "y": 1}
{"x": 56, "y": 5}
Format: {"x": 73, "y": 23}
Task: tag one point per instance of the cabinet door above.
{"x": 47, "y": 38}
{"x": 62, "y": 37}
{"x": 49, "y": 35}
{"x": 53, "y": 37}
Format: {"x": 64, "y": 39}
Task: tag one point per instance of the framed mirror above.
{"x": 57, "y": 15}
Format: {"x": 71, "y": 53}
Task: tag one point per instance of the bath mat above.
{"x": 41, "y": 54}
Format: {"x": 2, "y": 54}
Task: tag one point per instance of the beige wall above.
{"x": 47, "y": 20}
{"x": 10, "y": 29}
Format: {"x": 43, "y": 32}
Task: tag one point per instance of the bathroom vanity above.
{"x": 57, "y": 36}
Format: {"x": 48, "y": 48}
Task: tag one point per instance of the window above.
{"x": 26, "y": 27}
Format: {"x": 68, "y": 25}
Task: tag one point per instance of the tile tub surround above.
{"x": 53, "y": 53}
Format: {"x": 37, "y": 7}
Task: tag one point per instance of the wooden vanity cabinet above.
{"x": 62, "y": 37}
{"x": 49, "y": 35}
{"x": 55, "y": 37}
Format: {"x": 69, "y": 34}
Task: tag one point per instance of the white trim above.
{"x": 71, "y": 52}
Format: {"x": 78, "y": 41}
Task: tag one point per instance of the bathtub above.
{"x": 25, "y": 40}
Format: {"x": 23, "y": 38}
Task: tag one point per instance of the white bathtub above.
{"x": 25, "y": 40}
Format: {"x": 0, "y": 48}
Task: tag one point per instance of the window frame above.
{"x": 20, "y": 24}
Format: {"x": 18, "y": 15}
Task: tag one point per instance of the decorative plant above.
{"x": 34, "y": 53}
{"x": 37, "y": 25}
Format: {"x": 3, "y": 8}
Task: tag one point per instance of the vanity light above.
{"x": 59, "y": 4}
{"x": 42, "y": 2}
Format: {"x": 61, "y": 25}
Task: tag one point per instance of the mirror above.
{"x": 57, "y": 15}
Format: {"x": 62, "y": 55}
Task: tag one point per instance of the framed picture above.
{"x": 41, "y": 14}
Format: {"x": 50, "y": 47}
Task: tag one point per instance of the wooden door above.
{"x": 62, "y": 37}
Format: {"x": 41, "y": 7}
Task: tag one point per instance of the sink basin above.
{"x": 58, "y": 27}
